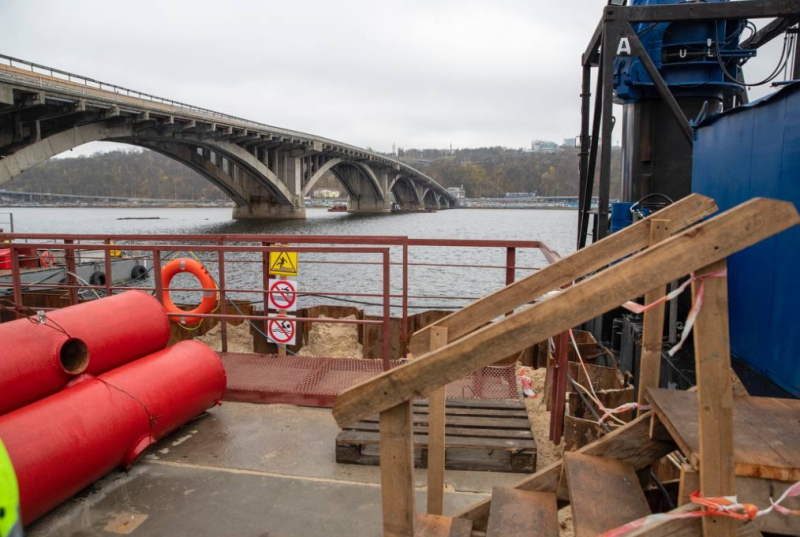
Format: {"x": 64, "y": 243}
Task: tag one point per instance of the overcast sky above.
{"x": 414, "y": 73}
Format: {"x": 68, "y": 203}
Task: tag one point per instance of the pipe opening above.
{"x": 74, "y": 356}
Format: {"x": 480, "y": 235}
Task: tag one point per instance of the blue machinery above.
{"x": 687, "y": 126}
{"x": 668, "y": 62}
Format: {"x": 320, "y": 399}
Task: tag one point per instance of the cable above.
{"x": 257, "y": 329}
{"x": 54, "y": 325}
{"x": 778, "y": 69}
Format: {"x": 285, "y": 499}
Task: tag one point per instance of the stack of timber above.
{"x": 479, "y": 435}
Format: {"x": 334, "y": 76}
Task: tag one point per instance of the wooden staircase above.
{"x": 600, "y": 480}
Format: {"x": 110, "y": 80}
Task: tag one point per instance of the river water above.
{"x": 556, "y": 228}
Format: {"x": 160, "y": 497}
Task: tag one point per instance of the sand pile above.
{"x": 546, "y": 452}
{"x": 239, "y": 338}
{"x": 333, "y": 340}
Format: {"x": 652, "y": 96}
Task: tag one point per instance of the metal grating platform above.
{"x": 316, "y": 381}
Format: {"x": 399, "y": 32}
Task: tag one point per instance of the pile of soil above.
{"x": 239, "y": 338}
{"x": 333, "y": 340}
{"x": 546, "y": 452}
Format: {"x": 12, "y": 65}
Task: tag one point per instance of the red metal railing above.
{"x": 155, "y": 245}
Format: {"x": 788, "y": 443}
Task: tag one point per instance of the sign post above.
{"x": 282, "y": 296}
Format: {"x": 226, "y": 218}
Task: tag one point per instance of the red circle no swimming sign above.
{"x": 281, "y": 331}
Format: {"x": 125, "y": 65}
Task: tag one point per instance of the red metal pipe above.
{"x": 102, "y": 423}
{"x": 39, "y": 359}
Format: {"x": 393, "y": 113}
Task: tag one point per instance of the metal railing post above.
{"x": 72, "y": 281}
{"x": 16, "y": 279}
{"x": 157, "y": 275}
{"x": 387, "y": 312}
{"x": 108, "y": 269}
{"x": 404, "y": 327}
{"x": 223, "y": 303}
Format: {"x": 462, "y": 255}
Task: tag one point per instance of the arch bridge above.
{"x": 267, "y": 171}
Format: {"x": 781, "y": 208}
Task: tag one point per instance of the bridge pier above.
{"x": 266, "y": 210}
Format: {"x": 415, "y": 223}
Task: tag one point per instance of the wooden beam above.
{"x": 681, "y": 214}
{"x": 397, "y": 471}
{"x": 715, "y": 397}
{"x": 436, "y": 440}
{"x": 630, "y": 444}
{"x": 653, "y": 324}
{"x": 700, "y": 246}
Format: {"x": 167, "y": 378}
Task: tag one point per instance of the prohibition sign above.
{"x": 283, "y": 295}
{"x": 282, "y": 331}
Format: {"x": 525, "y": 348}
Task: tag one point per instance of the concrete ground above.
{"x": 247, "y": 470}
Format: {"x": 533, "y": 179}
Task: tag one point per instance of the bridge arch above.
{"x": 353, "y": 176}
{"x": 430, "y": 199}
{"x": 405, "y": 192}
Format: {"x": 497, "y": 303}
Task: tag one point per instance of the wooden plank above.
{"x": 631, "y": 239}
{"x": 442, "y": 526}
{"x": 754, "y": 491}
{"x": 490, "y": 404}
{"x": 712, "y": 356}
{"x": 579, "y": 432}
{"x": 604, "y": 494}
{"x": 653, "y": 324}
{"x": 477, "y": 412}
{"x": 397, "y": 471}
{"x": 602, "y": 378}
{"x": 609, "y": 398}
{"x": 470, "y": 421}
{"x": 436, "y": 435}
{"x": 700, "y": 246}
{"x": 631, "y": 444}
{"x": 369, "y": 438}
{"x": 454, "y": 431}
{"x": 521, "y": 513}
{"x": 764, "y": 446}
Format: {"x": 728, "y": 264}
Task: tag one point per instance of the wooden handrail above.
{"x": 682, "y": 214}
{"x": 667, "y": 261}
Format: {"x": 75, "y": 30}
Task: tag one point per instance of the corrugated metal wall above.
{"x": 750, "y": 152}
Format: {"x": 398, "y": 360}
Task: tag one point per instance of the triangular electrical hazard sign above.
{"x": 283, "y": 263}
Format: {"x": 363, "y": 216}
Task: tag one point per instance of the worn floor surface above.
{"x": 247, "y": 471}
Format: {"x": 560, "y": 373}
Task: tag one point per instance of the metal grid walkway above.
{"x": 316, "y": 381}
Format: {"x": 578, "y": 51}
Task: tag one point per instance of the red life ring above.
{"x": 47, "y": 259}
{"x": 209, "y": 301}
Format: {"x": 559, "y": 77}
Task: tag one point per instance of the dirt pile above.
{"x": 333, "y": 340}
{"x": 239, "y": 338}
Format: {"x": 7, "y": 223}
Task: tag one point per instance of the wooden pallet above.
{"x": 480, "y": 435}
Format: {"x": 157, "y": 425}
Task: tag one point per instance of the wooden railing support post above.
{"x": 715, "y": 396}
{"x": 653, "y": 324}
{"x": 397, "y": 470}
{"x": 436, "y": 434}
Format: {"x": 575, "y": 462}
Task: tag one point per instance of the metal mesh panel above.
{"x": 317, "y": 380}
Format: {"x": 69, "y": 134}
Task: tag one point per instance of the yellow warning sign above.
{"x": 284, "y": 263}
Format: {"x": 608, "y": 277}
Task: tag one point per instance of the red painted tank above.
{"x": 101, "y": 423}
{"x": 38, "y": 360}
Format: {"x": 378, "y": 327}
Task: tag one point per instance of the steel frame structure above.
{"x": 598, "y": 124}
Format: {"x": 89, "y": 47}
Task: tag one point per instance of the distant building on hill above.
{"x": 570, "y": 143}
{"x": 326, "y": 193}
{"x": 543, "y": 146}
{"x": 457, "y": 192}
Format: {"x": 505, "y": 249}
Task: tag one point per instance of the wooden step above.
{"x": 441, "y": 526}
{"x": 604, "y": 494}
{"x": 522, "y": 513}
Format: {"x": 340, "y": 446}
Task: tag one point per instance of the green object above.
{"x": 10, "y": 524}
